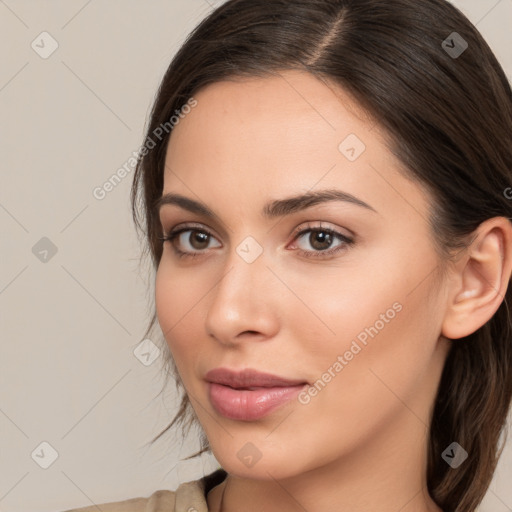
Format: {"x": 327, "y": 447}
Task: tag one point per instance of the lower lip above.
{"x": 249, "y": 405}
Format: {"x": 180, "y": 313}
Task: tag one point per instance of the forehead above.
{"x": 282, "y": 111}
{"x": 276, "y": 136}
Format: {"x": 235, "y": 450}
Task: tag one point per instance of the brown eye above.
{"x": 198, "y": 239}
{"x": 320, "y": 241}
{"x": 190, "y": 241}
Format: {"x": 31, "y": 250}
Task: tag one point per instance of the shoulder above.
{"x": 159, "y": 501}
{"x": 188, "y": 496}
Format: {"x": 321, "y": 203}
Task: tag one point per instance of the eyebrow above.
{"x": 274, "y": 208}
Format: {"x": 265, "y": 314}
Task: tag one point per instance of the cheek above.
{"x": 379, "y": 320}
{"x": 165, "y": 298}
{"x": 177, "y": 299}
{"x": 339, "y": 305}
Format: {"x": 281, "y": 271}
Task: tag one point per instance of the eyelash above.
{"x": 347, "y": 242}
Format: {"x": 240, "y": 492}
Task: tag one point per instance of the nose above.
{"x": 244, "y": 303}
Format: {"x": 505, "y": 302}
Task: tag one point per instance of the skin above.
{"x": 361, "y": 443}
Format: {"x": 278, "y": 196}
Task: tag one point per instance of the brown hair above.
{"x": 449, "y": 120}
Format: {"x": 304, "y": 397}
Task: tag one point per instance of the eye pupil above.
{"x": 200, "y": 238}
{"x": 324, "y": 239}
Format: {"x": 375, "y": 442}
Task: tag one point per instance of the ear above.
{"x": 480, "y": 280}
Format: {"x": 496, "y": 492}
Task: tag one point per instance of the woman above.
{"x": 330, "y": 228}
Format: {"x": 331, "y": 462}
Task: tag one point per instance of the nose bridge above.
{"x": 242, "y": 297}
{"x": 242, "y": 282}
{"x": 245, "y": 268}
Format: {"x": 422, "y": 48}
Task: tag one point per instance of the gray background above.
{"x": 70, "y": 321}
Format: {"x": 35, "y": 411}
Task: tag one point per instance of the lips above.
{"x": 249, "y": 395}
{"x": 249, "y": 379}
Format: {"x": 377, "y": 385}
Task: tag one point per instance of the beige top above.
{"x": 188, "y": 497}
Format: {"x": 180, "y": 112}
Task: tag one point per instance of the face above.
{"x": 338, "y": 294}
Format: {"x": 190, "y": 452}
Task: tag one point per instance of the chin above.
{"x": 271, "y": 467}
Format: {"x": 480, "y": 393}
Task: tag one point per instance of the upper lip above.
{"x": 249, "y": 378}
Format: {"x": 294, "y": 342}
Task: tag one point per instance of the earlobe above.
{"x": 481, "y": 279}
